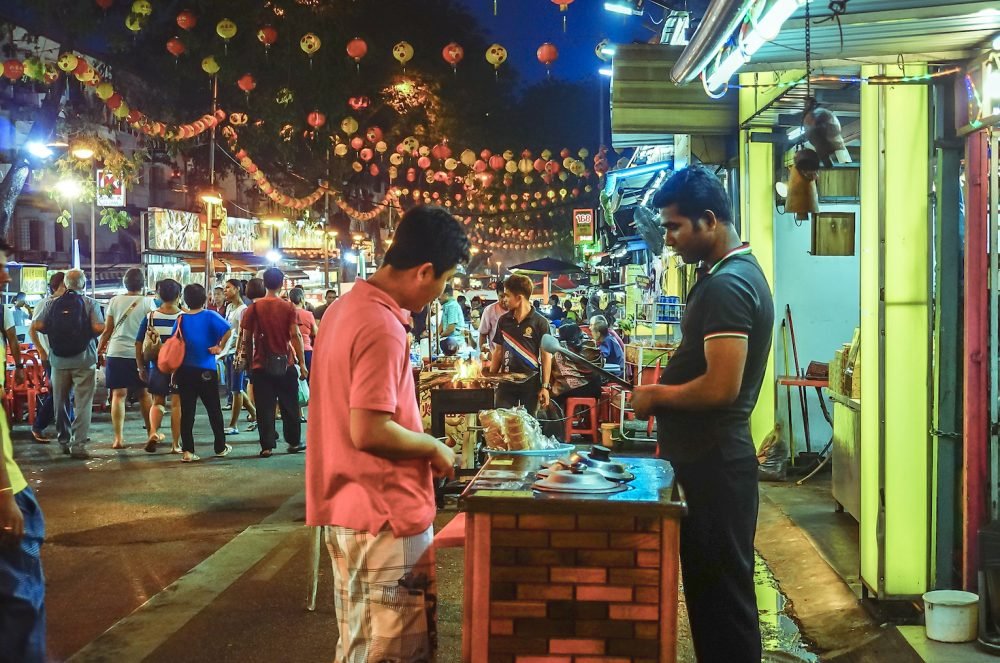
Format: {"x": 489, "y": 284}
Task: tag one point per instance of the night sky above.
{"x": 521, "y": 26}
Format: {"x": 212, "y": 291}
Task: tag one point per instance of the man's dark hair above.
{"x": 695, "y": 190}
{"x": 499, "y": 288}
{"x": 194, "y": 295}
{"x": 296, "y": 296}
{"x": 134, "y": 279}
{"x": 461, "y": 299}
{"x": 273, "y": 278}
{"x": 568, "y": 304}
{"x": 553, "y": 299}
{"x": 255, "y": 288}
{"x": 449, "y": 289}
{"x": 56, "y": 281}
{"x": 428, "y": 233}
{"x": 334, "y": 292}
{"x": 169, "y": 290}
{"x": 238, "y": 284}
{"x": 519, "y": 284}
{"x": 20, "y": 295}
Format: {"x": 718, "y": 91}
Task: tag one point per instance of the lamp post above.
{"x": 274, "y": 224}
{"x": 70, "y": 190}
{"x": 211, "y": 198}
{"x": 84, "y": 153}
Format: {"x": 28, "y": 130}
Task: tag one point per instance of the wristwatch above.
{"x": 546, "y": 385}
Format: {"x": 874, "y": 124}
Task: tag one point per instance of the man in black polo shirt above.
{"x": 518, "y": 343}
{"x": 702, "y": 407}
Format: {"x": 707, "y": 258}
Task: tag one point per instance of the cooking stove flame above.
{"x": 467, "y": 372}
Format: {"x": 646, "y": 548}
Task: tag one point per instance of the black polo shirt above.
{"x": 521, "y": 342}
{"x": 732, "y": 299}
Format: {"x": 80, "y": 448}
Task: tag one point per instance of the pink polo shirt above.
{"x": 361, "y": 360}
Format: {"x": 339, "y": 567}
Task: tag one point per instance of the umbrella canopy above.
{"x": 547, "y": 266}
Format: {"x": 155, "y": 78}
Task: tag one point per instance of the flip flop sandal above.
{"x": 190, "y": 459}
{"x": 151, "y": 444}
{"x": 252, "y": 426}
{"x": 266, "y": 453}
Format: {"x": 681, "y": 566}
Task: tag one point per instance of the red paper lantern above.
{"x": 563, "y": 4}
{"x": 187, "y": 20}
{"x": 552, "y": 167}
{"x": 424, "y": 162}
{"x": 104, "y": 4}
{"x": 175, "y": 47}
{"x": 247, "y": 83}
{"x": 13, "y": 69}
{"x": 539, "y": 165}
{"x": 316, "y": 119}
{"x": 220, "y": 115}
{"x": 357, "y": 48}
{"x": 357, "y": 143}
{"x": 359, "y": 103}
{"x": 479, "y": 166}
{"x": 497, "y": 162}
{"x": 81, "y": 67}
{"x": 564, "y": 153}
{"x": 114, "y": 101}
{"x": 366, "y": 154}
{"x": 133, "y": 116}
{"x": 374, "y": 134}
{"x": 547, "y": 54}
{"x": 373, "y": 169}
{"x": 453, "y": 54}
{"x": 267, "y": 35}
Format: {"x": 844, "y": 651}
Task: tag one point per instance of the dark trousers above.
{"x": 717, "y": 558}
{"x": 194, "y": 383}
{"x": 22, "y": 589}
{"x": 283, "y": 391}
{"x": 510, "y": 394}
{"x": 45, "y": 416}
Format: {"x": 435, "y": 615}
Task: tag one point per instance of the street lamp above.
{"x": 70, "y": 190}
{"x": 211, "y": 197}
{"x": 82, "y": 152}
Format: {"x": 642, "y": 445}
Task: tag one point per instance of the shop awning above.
{"x": 222, "y": 263}
{"x": 881, "y": 30}
{"x": 547, "y": 266}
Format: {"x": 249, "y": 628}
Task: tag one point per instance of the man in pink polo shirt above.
{"x": 369, "y": 465}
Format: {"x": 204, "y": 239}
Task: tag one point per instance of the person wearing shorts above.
{"x": 236, "y": 380}
{"x": 160, "y": 384}
{"x": 125, "y": 314}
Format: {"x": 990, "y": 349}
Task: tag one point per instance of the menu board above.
{"x": 34, "y": 280}
{"x": 176, "y": 230}
{"x": 293, "y": 236}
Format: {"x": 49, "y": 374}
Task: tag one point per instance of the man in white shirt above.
{"x": 235, "y": 308}
{"x": 490, "y": 319}
{"x": 125, "y": 315}
{"x": 46, "y": 413}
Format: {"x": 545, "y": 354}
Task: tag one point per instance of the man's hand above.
{"x": 42, "y": 354}
{"x": 214, "y": 350}
{"x": 443, "y": 460}
{"x": 544, "y": 397}
{"x": 100, "y": 359}
{"x": 11, "y": 520}
{"x": 643, "y": 400}
{"x": 143, "y": 374}
{"x": 303, "y": 372}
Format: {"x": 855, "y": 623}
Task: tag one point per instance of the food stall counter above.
{"x": 548, "y": 573}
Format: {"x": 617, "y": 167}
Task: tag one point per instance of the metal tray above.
{"x": 561, "y": 449}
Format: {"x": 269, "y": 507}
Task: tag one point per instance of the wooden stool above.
{"x": 591, "y": 428}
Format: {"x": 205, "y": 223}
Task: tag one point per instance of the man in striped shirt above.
{"x": 702, "y": 407}
{"x": 518, "y": 343}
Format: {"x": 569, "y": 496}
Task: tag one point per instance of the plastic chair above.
{"x": 591, "y": 427}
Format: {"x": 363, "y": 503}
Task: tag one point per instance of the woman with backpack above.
{"x": 204, "y": 333}
{"x": 156, "y": 328}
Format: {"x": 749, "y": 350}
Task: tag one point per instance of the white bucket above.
{"x": 951, "y": 615}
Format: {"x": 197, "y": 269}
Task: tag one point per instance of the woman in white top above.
{"x": 125, "y": 314}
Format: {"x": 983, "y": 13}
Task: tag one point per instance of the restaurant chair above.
{"x": 590, "y": 426}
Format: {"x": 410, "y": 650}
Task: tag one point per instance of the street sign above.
{"x": 583, "y": 226}
{"x": 110, "y": 190}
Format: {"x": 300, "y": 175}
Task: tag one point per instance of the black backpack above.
{"x": 67, "y": 324}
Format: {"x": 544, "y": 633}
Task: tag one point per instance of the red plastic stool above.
{"x": 452, "y": 535}
{"x": 591, "y": 428}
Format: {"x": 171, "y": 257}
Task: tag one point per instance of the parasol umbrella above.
{"x": 546, "y": 267}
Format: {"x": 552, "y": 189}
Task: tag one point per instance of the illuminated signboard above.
{"x": 583, "y": 226}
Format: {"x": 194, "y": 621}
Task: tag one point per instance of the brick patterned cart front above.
{"x": 571, "y": 578}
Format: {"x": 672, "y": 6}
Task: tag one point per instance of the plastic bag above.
{"x": 551, "y": 419}
{"x": 303, "y": 393}
{"x": 772, "y": 459}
